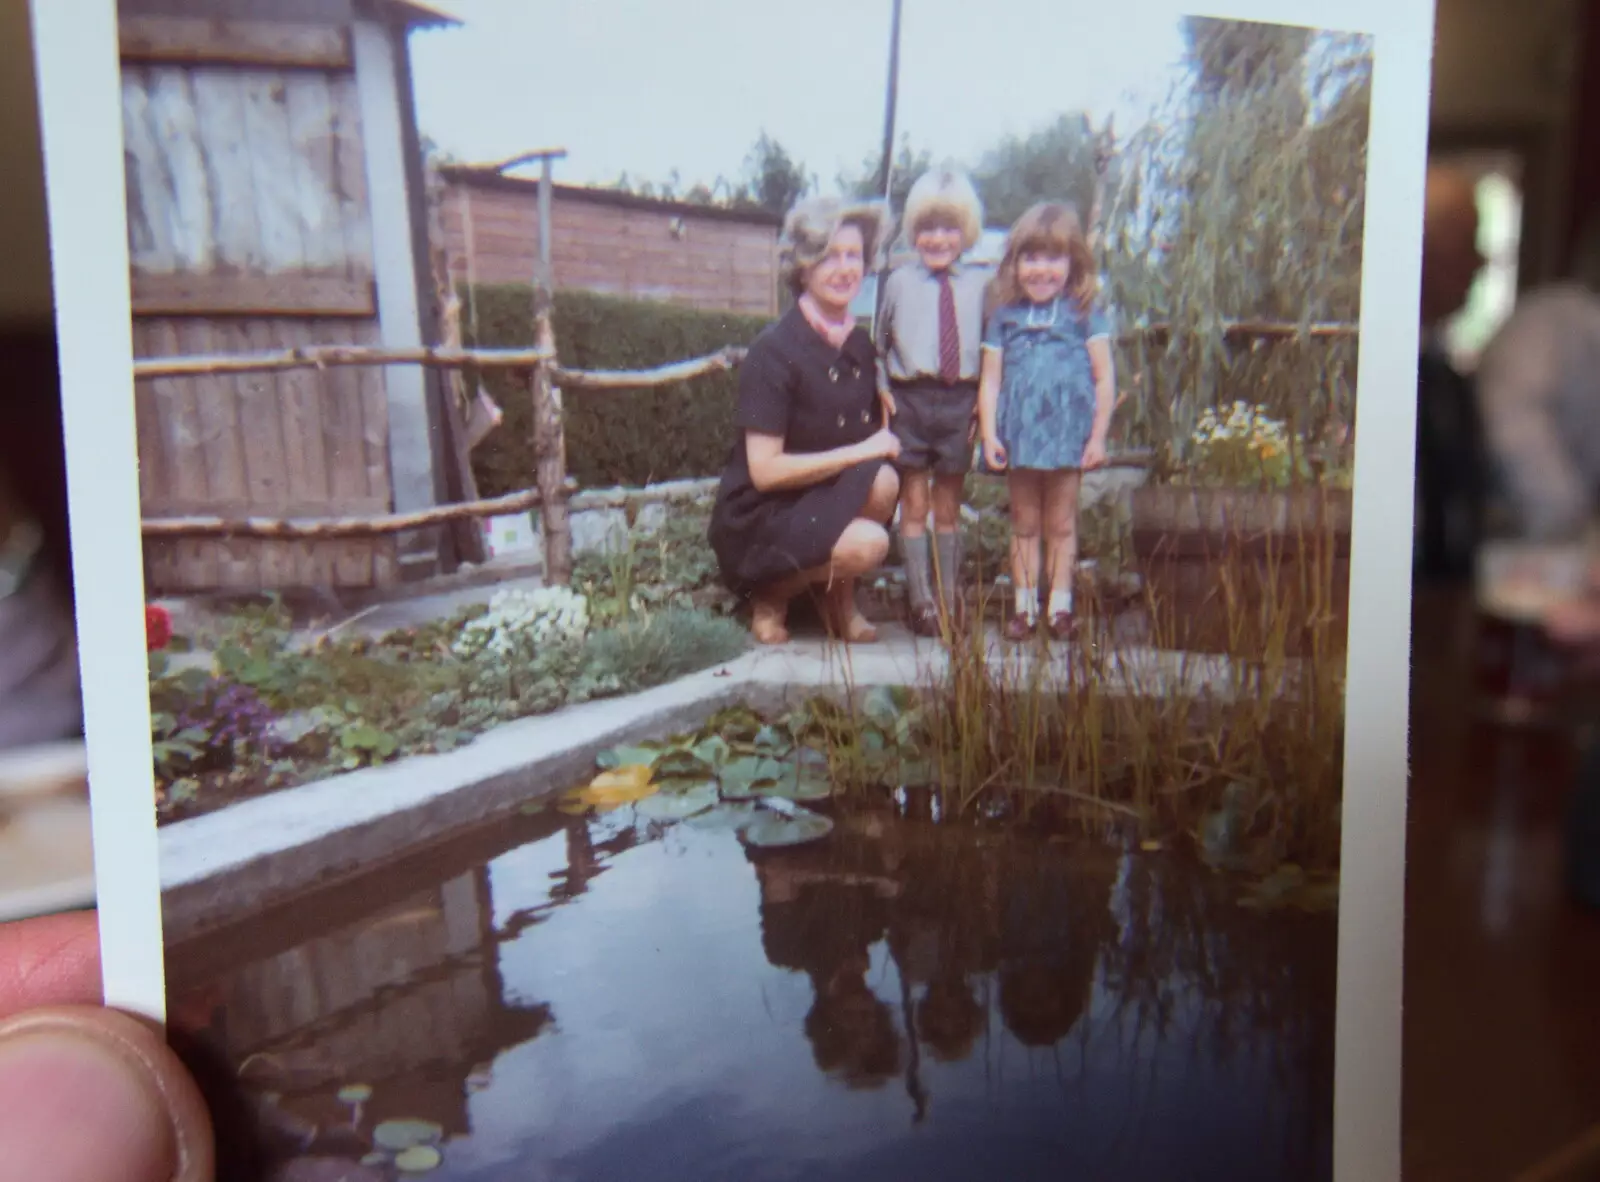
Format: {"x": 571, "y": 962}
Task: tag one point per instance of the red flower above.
{"x": 157, "y": 627}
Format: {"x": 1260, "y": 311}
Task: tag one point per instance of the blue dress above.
{"x": 1045, "y": 409}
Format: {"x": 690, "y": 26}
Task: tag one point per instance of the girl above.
{"x": 1044, "y": 401}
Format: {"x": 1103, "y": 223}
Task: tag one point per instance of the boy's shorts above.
{"x": 934, "y": 425}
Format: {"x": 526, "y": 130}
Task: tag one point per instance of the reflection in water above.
{"x": 903, "y": 999}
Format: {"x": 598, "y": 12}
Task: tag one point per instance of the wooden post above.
{"x": 549, "y": 440}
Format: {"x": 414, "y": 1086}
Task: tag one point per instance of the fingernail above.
{"x": 79, "y": 1106}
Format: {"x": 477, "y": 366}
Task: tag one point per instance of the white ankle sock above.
{"x": 1028, "y": 603}
{"x": 1060, "y": 601}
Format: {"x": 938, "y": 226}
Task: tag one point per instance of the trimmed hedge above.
{"x": 624, "y": 437}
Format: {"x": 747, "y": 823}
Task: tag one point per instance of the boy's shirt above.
{"x": 908, "y": 321}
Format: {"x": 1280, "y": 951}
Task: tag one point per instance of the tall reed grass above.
{"x": 1216, "y": 714}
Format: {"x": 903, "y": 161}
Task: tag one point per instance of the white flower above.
{"x": 517, "y": 617}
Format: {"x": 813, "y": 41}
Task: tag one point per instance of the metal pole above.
{"x": 545, "y": 278}
{"x": 886, "y": 169}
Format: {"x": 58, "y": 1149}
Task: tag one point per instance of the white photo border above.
{"x": 76, "y": 44}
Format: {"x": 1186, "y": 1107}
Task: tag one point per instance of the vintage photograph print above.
{"x": 750, "y": 594}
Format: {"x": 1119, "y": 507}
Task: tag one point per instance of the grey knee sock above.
{"x": 918, "y": 577}
{"x": 949, "y": 568}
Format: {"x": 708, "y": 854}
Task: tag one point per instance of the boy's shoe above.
{"x": 1018, "y": 627}
{"x": 925, "y": 620}
{"x": 1063, "y": 626}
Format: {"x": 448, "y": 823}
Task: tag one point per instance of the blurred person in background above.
{"x": 1539, "y": 390}
{"x": 1451, "y": 471}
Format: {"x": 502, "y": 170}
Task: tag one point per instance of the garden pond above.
{"x": 740, "y": 978}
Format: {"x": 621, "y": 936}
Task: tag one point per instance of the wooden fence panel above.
{"x": 249, "y": 232}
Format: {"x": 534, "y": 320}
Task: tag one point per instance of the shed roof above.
{"x": 488, "y": 178}
{"x": 421, "y": 16}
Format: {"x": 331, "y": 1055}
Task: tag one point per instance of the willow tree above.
{"x": 1057, "y": 162}
{"x": 1239, "y": 203}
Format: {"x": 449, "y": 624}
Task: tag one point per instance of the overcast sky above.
{"x": 643, "y": 86}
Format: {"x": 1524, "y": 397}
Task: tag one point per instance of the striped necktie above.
{"x": 949, "y": 334}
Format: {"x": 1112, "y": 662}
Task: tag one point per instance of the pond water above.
{"x": 603, "y": 998}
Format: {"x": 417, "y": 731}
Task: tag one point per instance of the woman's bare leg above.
{"x": 861, "y": 548}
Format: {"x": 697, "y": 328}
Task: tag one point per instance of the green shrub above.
{"x": 652, "y": 650}
{"x": 623, "y": 437}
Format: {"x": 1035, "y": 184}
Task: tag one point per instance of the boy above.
{"x": 930, "y": 325}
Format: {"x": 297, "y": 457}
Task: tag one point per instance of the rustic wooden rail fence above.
{"x": 547, "y": 378}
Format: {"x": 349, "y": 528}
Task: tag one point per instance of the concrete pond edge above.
{"x": 222, "y": 867}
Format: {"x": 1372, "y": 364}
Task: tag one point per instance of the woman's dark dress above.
{"x": 794, "y": 384}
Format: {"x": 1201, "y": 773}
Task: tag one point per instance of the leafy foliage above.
{"x": 909, "y": 164}
{"x": 1054, "y": 163}
{"x": 630, "y": 437}
{"x": 1242, "y": 200}
{"x": 273, "y": 712}
{"x": 673, "y": 566}
{"x": 657, "y": 648}
{"x": 772, "y": 180}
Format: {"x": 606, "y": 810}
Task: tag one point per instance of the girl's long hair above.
{"x": 1050, "y": 228}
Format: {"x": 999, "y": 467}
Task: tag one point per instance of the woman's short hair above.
{"x": 809, "y": 228}
{"x": 946, "y": 194}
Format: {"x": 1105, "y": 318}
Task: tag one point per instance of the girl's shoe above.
{"x": 1019, "y": 627}
{"x": 1063, "y": 626}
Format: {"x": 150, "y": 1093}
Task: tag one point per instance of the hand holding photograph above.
{"x": 738, "y": 595}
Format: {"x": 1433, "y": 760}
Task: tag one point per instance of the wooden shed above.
{"x": 602, "y": 240}
{"x": 275, "y": 199}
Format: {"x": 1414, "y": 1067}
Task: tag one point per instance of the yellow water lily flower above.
{"x": 612, "y": 789}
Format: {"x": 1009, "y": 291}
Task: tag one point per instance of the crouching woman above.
{"x": 809, "y": 484}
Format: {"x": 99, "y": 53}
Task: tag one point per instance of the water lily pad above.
{"x": 355, "y": 1094}
{"x": 419, "y": 1159}
{"x": 880, "y": 706}
{"x": 681, "y": 763}
{"x": 735, "y": 724}
{"x": 798, "y": 783}
{"x": 742, "y": 777}
{"x": 723, "y": 818}
{"x": 375, "y": 1159}
{"x": 772, "y": 831}
{"x": 769, "y": 740}
{"x": 626, "y": 755}
{"x": 399, "y": 1135}
{"x": 679, "y": 805}
{"x": 712, "y": 751}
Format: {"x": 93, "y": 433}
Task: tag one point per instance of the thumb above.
{"x": 88, "y": 1094}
